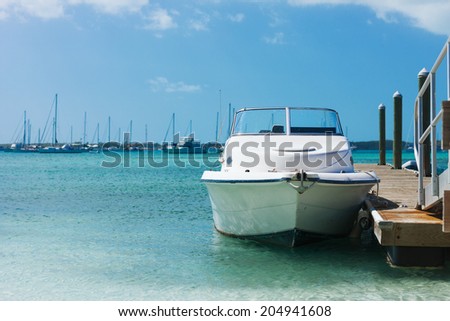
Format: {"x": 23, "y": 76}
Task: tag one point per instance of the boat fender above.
{"x": 364, "y": 220}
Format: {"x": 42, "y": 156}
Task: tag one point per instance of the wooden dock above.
{"x": 411, "y": 236}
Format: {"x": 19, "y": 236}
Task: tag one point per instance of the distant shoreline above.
{"x": 358, "y": 145}
{"x": 374, "y": 145}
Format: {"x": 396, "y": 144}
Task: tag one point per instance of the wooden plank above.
{"x": 384, "y": 232}
{"x": 420, "y": 235}
{"x": 409, "y": 227}
{"x": 380, "y": 225}
{"x": 446, "y": 213}
{"x": 445, "y": 125}
{"x": 396, "y": 186}
{"x": 396, "y": 221}
{"x": 409, "y": 215}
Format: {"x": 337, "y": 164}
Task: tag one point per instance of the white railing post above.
{"x": 448, "y": 69}
{"x": 288, "y": 121}
{"x": 422, "y": 134}
{"x": 434, "y": 175}
{"x": 448, "y": 96}
{"x": 420, "y": 147}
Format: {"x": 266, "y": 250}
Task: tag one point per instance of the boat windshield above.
{"x": 314, "y": 121}
{"x": 303, "y": 121}
{"x": 260, "y": 121}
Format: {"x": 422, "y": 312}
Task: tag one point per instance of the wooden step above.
{"x": 408, "y": 227}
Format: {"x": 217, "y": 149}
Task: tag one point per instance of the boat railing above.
{"x": 432, "y": 193}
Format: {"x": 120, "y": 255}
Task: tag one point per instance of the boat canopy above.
{"x": 287, "y": 121}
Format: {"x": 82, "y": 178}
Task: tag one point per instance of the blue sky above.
{"x": 143, "y": 60}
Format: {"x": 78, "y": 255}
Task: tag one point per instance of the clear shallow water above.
{"x": 73, "y": 230}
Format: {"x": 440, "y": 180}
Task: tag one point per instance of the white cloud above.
{"x": 161, "y": 19}
{"x": 238, "y": 17}
{"x": 163, "y": 84}
{"x": 200, "y": 23}
{"x": 431, "y": 15}
{"x": 112, "y": 6}
{"x": 275, "y": 19}
{"x": 276, "y": 39}
{"x": 44, "y": 9}
{"x": 51, "y": 9}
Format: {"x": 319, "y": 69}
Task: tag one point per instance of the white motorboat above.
{"x": 287, "y": 177}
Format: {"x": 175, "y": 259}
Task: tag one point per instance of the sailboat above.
{"x": 54, "y": 149}
{"x": 23, "y": 147}
{"x": 181, "y": 145}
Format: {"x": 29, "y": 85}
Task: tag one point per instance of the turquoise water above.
{"x": 371, "y": 156}
{"x": 71, "y": 229}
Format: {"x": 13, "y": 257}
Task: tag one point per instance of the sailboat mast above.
{"x": 56, "y": 120}
{"x": 131, "y": 131}
{"x": 220, "y": 115}
{"x": 229, "y": 119}
{"x": 53, "y": 131}
{"x": 173, "y": 127}
{"x": 29, "y": 132}
{"x": 146, "y": 134}
{"x": 24, "y": 127}
{"x": 84, "y": 129}
{"x": 109, "y": 129}
{"x": 217, "y": 127}
{"x": 98, "y": 134}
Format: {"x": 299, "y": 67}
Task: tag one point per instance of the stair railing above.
{"x": 421, "y": 134}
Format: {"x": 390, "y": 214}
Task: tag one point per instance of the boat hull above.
{"x": 282, "y": 210}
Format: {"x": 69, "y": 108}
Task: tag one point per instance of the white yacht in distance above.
{"x": 287, "y": 177}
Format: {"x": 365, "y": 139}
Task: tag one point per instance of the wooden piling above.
{"x": 382, "y": 141}
{"x": 397, "y": 148}
{"x": 422, "y": 76}
{"x": 446, "y": 212}
{"x": 445, "y": 142}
